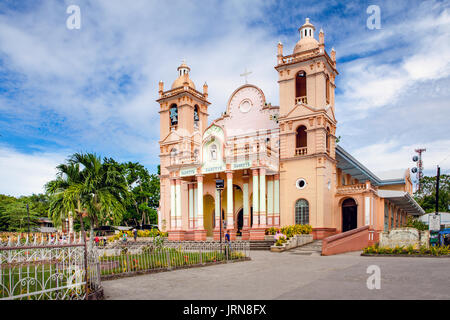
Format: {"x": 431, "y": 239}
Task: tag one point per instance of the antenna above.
{"x": 419, "y": 169}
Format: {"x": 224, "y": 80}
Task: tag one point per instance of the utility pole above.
{"x": 28, "y": 213}
{"x": 437, "y": 189}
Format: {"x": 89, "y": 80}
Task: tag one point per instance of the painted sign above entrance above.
{"x": 188, "y": 172}
{"x": 241, "y": 165}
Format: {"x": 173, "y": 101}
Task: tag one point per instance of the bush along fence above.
{"x": 125, "y": 259}
{"x": 42, "y": 268}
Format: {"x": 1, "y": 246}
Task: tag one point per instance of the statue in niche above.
{"x": 213, "y": 152}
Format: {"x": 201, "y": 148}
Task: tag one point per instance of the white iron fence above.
{"x": 43, "y": 269}
{"x": 120, "y": 258}
{"x": 38, "y": 268}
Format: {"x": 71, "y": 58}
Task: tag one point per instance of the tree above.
{"x": 426, "y": 198}
{"x": 86, "y": 185}
{"x": 14, "y": 216}
{"x": 144, "y": 193}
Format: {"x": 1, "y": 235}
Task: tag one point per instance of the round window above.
{"x": 300, "y": 184}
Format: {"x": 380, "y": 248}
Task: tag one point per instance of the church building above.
{"x": 281, "y": 164}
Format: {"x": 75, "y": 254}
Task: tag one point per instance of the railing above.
{"x": 42, "y": 269}
{"x": 352, "y": 240}
{"x": 121, "y": 259}
{"x": 353, "y": 188}
{"x": 301, "y": 151}
{"x": 299, "y": 100}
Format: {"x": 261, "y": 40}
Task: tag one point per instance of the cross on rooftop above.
{"x": 245, "y": 74}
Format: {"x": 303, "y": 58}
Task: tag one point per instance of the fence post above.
{"x": 168, "y": 260}
{"x": 128, "y": 261}
{"x": 201, "y": 256}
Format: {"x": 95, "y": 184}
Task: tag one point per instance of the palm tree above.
{"x": 85, "y": 184}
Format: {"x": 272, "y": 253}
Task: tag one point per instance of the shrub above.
{"x": 397, "y": 250}
{"x": 417, "y": 224}
{"x": 271, "y": 231}
{"x": 293, "y": 230}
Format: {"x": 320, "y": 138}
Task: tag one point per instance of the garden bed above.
{"x": 404, "y": 255}
{"x": 407, "y": 251}
{"x": 142, "y": 272}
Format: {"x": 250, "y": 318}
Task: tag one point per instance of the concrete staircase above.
{"x": 311, "y": 249}
{"x": 261, "y": 244}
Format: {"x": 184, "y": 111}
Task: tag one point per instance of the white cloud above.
{"x": 384, "y": 156}
{"x": 25, "y": 174}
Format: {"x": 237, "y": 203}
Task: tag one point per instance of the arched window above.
{"x": 301, "y": 141}
{"x": 327, "y": 90}
{"x": 301, "y": 212}
{"x": 300, "y": 87}
{"x": 328, "y": 139}
{"x": 196, "y": 117}
{"x": 173, "y": 115}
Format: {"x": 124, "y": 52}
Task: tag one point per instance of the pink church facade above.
{"x": 280, "y": 164}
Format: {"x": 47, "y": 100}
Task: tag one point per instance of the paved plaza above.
{"x": 293, "y": 275}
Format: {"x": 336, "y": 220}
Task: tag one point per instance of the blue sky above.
{"x": 94, "y": 89}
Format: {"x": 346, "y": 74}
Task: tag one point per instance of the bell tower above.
{"x": 307, "y": 130}
{"x": 183, "y": 118}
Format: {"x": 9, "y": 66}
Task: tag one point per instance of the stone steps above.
{"x": 261, "y": 244}
{"x": 314, "y": 248}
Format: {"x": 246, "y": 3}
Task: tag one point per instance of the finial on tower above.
{"x": 161, "y": 88}
{"x": 205, "y": 90}
{"x": 333, "y": 55}
{"x": 280, "y": 48}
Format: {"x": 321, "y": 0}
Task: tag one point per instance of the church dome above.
{"x": 183, "y": 77}
{"x": 306, "y": 44}
{"x": 307, "y": 40}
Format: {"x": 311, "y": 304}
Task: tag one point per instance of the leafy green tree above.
{"x": 90, "y": 187}
{"x": 427, "y": 196}
{"x": 144, "y": 193}
{"x": 14, "y": 216}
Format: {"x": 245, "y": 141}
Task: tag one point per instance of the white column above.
{"x": 178, "y": 203}
{"x": 262, "y": 197}
{"x": 200, "y": 202}
{"x": 195, "y": 206}
{"x": 255, "y": 197}
{"x": 230, "y": 206}
{"x": 270, "y": 201}
{"x": 245, "y": 204}
{"x": 191, "y": 206}
{"x": 173, "y": 212}
{"x": 367, "y": 211}
{"x": 276, "y": 200}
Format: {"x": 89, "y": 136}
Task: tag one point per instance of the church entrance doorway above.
{"x": 240, "y": 222}
{"x": 349, "y": 215}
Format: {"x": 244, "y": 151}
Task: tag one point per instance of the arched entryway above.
{"x": 349, "y": 214}
{"x": 240, "y": 222}
{"x": 208, "y": 214}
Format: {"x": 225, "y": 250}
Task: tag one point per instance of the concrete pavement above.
{"x": 292, "y": 275}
